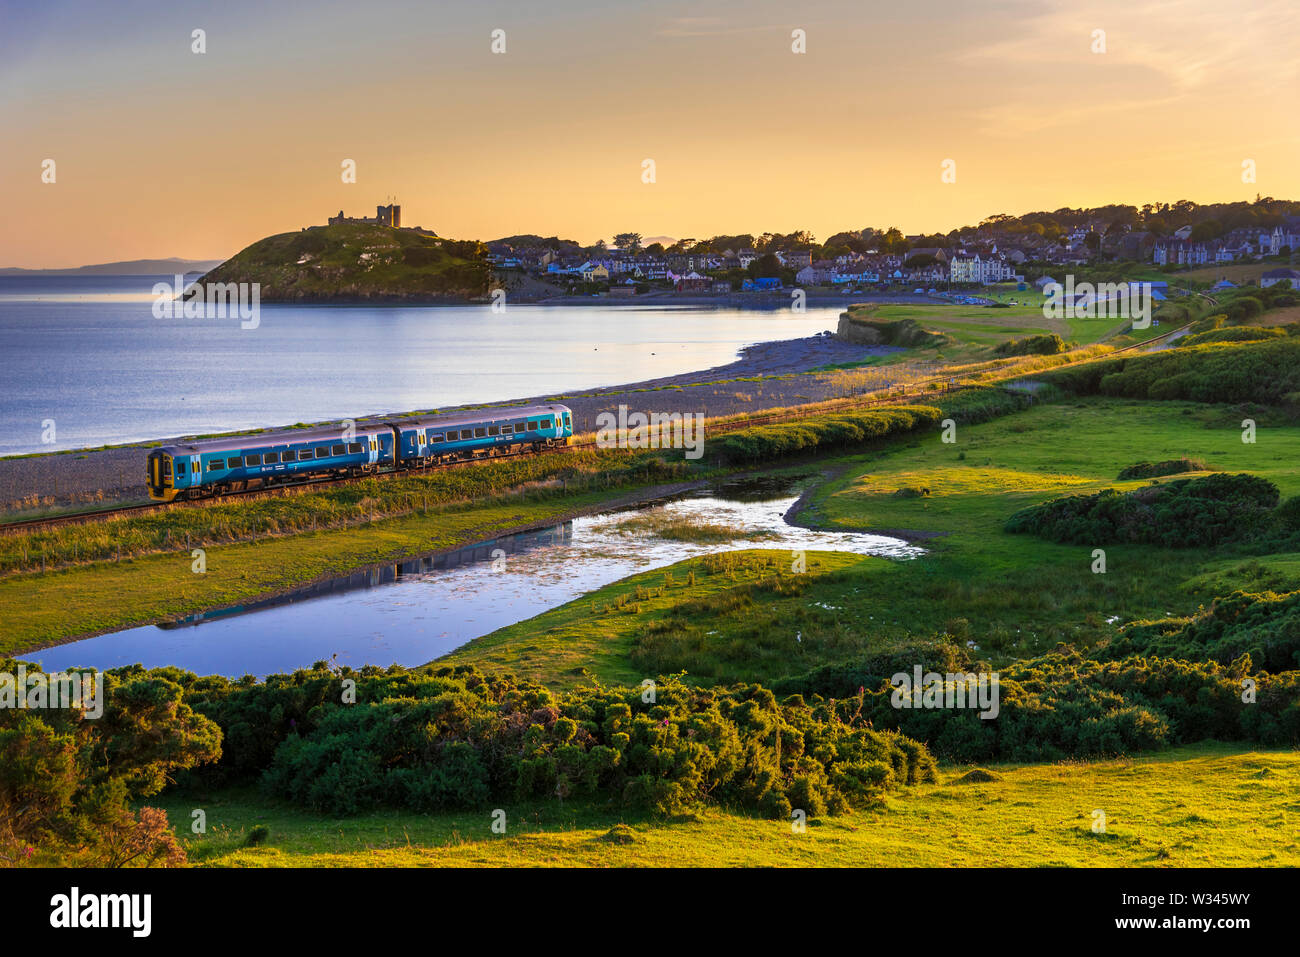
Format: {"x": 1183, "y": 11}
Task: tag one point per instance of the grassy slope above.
{"x": 974, "y": 330}
{"x": 334, "y": 266}
{"x": 1019, "y": 594}
{"x": 1013, "y": 582}
{"x": 1197, "y": 806}
{"x": 594, "y": 635}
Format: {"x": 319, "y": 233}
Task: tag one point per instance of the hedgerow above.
{"x": 1186, "y": 513}
{"x": 823, "y": 432}
{"x": 1265, "y": 372}
{"x": 984, "y": 403}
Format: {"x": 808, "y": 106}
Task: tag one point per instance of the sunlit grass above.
{"x": 1203, "y": 806}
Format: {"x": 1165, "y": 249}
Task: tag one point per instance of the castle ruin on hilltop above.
{"x": 390, "y": 215}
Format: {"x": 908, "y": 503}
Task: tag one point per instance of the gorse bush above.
{"x": 1186, "y": 513}
{"x": 1144, "y": 470}
{"x": 68, "y": 781}
{"x": 823, "y": 432}
{"x": 1049, "y": 345}
{"x": 983, "y": 404}
{"x": 1233, "y": 334}
{"x": 1265, "y": 372}
{"x": 1264, "y": 626}
{"x": 844, "y": 679}
{"x": 455, "y": 738}
{"x": 1064, "y": 705}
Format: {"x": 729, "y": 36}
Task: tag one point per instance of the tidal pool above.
{"x": 417, "y": 610}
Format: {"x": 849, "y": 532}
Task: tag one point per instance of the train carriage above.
{"x": 239, "y": 463}
{"x": 481, "y": 434}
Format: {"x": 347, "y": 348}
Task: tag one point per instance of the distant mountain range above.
{"x": 131, "y": 267}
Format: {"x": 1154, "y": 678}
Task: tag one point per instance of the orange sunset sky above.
{"x": 160, "y": 151}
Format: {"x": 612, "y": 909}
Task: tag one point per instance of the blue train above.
{"x": 240, "y": 463}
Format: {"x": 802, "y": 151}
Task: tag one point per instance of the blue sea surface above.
{"x": 88, "y": 353}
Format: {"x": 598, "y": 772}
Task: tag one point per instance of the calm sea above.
{"x": 87, "y": 353}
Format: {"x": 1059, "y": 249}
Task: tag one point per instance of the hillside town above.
{"x": 999, "y": 250}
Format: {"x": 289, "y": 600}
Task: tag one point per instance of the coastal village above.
{"x": 855, "y": 263}
{"x": 1022, "y": 251}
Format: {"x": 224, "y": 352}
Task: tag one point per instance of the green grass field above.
{"x": 749, "y": 618}
{"x": 1189, "y": 807}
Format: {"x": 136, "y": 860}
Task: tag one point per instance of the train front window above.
{"x": 167, "y": 466}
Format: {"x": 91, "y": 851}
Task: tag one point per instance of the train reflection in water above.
{"x": 477, "y": 554}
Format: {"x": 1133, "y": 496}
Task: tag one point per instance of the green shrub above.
{"x": 68, "y": 782}
{"x": 1156, "y": 469}
{"x": 1263, "y": 372}
{"x": 1064, "y": 705}
{"x": 1186, "y": 513}
{"x": 454, "y": 738}
{"x": 1233, "y": 334}
{"x": 983, "y": 403}
{"x": 1049, "y": 345}
{"x": 1264, "y": 626}
{"x": 761, "y": 443}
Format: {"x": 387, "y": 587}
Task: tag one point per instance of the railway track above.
{"x": 916, "y": 389}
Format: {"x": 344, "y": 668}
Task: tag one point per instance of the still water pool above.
{"x": 418, "y": 610}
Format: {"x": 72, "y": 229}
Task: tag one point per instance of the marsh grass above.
{"x": 662, "y": 524}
